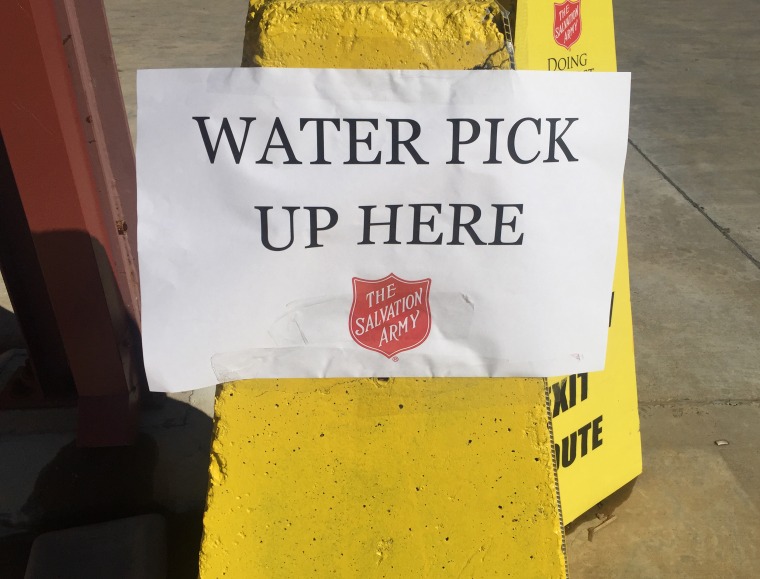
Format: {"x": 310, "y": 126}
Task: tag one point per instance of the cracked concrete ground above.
{"x": 693, "y": 199}
{"x": 693, "y": 195}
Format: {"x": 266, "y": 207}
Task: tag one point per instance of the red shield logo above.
{"x": 390, "y": 315}
{"x": 567, "y": 23}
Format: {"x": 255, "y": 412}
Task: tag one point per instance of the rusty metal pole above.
{"x": 64, "y": 130}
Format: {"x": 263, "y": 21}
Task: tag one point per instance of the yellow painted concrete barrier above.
{"x": 443, "y": 34}
{"x": 365, "y": 478}
{"x": 595, "y": 416}
{"x": 406, "y": 478}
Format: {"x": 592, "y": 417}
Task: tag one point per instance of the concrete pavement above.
{"x": 693, "y": 199}
{"x": 693, "y": 195}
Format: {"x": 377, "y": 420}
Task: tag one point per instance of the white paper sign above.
{"x": 343, "y": 223}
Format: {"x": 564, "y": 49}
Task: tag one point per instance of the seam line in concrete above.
{"x": 697, "y": 206}
{"x": 719, "y": 402}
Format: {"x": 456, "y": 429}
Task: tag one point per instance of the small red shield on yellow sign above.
{"x": 567, "y": 23}
{"x": 390, "y": 315}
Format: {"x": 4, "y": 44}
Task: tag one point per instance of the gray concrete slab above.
{"x": 171, "y": 34}
{"x": 695, "y": 297}
{"x": 694, "y": 99}
{"x": 130, "y": 548}
{"x": 23, "y": 457}
{"x": 693, "y": 197}
{"x": 693, "y": 512}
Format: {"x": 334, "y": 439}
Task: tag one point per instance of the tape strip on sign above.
{"x": 345, "y": 223}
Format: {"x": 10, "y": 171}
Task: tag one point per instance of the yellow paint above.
{"x": 611, "y": 393}
{"x": 365, "y": 478}
{"x": 443, "y": 34}
{"x": 612, "y": 396}
{"x": 408, "y": 478}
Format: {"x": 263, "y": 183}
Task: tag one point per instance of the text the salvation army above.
{"x": 396, "y": 316}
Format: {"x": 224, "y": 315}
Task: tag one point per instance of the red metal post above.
{"x": 87, "y": 44}
{"x": 31, "y": 304}
{"x": 69, "y": 181}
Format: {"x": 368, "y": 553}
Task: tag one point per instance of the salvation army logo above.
{"x": 390, "y": 315}
{"x": 567, "y": 23}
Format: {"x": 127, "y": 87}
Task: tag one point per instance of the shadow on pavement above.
{"x": 82, "y": 486}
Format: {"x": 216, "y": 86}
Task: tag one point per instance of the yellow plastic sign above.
{"x": 595, "y": 415}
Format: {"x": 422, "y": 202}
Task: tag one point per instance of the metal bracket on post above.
{"x": 72, "y": 177}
